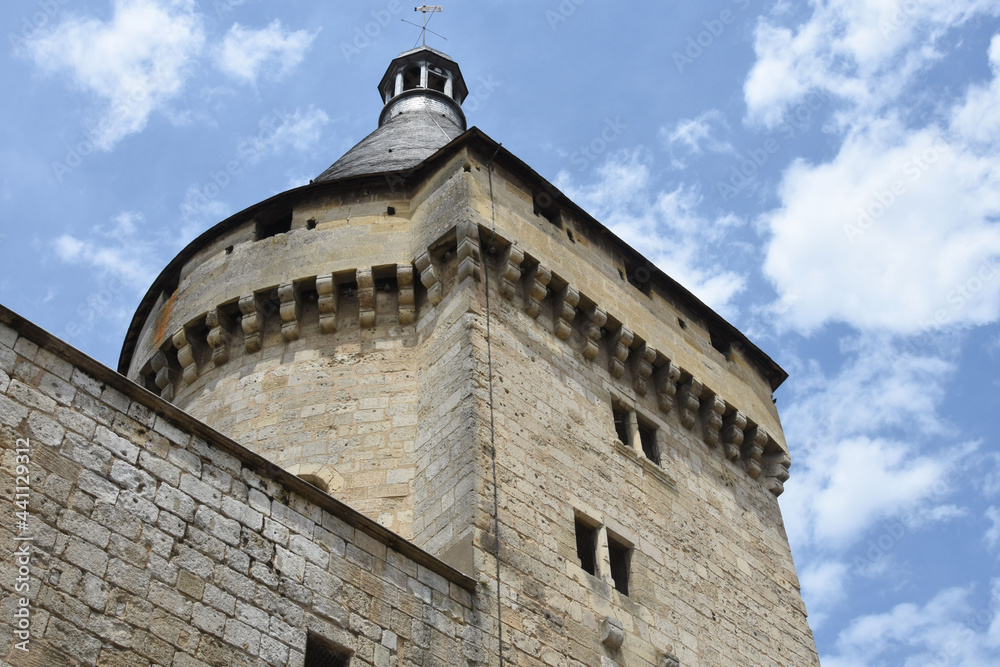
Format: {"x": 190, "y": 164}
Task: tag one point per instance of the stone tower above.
{"x": 433, "y": 334}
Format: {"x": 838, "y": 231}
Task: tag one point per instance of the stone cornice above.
{"x": 725, "y": 430}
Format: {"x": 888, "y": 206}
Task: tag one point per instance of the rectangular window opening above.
{"x": 720, "y": 343}
{"x": 436, "y": 81}
{"x": 411, "y": 78}
{"x": 272, "y": 226}
{"x": 647, "y": 436}
{"x": 621, "y": 425}
{"x": 546, "y": 208}
{"x": 320, "y": 653}
{"x": 639, "y": 276}
{"x": 586, "y": 547}
{"x": 620, "y": 556}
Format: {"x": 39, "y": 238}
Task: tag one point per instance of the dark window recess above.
{"x": 148, "y": 378}
{"x": 721, "y": 344}
{"x": 639, "y": 276}
{"x": 390, "y": 210}
{"x": 311, "y": 223}
{"x": 411, "y": 78}
{"x": 621, "y": 425}
{"x": 272, "y": 226}
{"x": 586, "y": 547}
{"x": 620, "y": 555}
{"x": 647, "y": 436}
{"x": 546, "y": 207}
{"x": 322, "y": 654}
{"x": 436, "y": 81}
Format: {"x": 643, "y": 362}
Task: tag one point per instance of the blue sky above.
{"x": 825, "y": 174}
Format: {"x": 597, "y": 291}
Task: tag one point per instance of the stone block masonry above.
{"x": 157, "y": 541}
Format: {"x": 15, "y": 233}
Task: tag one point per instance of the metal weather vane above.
{"x": 426, "y": 9}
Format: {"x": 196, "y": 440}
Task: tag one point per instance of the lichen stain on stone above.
{"x": 162, "y": 318}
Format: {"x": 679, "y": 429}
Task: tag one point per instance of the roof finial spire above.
{"x": 428, "y": 9}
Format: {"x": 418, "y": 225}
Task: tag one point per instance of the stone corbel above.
{"x": 669, "y": 660}
{"x": 252, "y": 323}
{"x": 468, "y": 250}
{"x": 596, "y": 319}
{"x": 510, "y": 271}
{"x": 566, "y": 303}
{"x": 733, "y": 426}
{"x": 291, "y": 310}
{"x": 217, "y": 337}
{"x": 642, "y": 368}
{"x": 618, "y": 345}
{"x": 366, "y": 298}
{"x": 165, "y": 375}
{"x": 612, "y": 633}
{"x": 775, "y": 467}
{"x": 185, "y": 356}
{"x": 407, "y": 307}
{"x": 666, "y": 387}
{"x": 326, "y": 290}
{"x": 688, "y": 402}
{"x": 712, "y": 409}
{"x": 428, "y": 278}
{"x": 538, "y": 289}
{"x": 753, "y": 448}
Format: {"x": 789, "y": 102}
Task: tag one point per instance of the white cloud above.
{"x": 948, "y": 630}
{"x": 992, "y": 536}
{"x": 694, "y": 136}
{"x": 865, "y": 52}
{"x": 300, "y": 130}
{"x": 822, "y": 587}
{"x": 859, "y": 437}
{"x": 134, "y": 63}
{"x": 898, "y": 232}
{"x": 279, "y": 132}
{"x": 245, "y": 54}
{"x": 664, "y": 225}
{"x": 115, "y": 251}
{"x": 863, "y": 480}
{"x": 880, "y": 387}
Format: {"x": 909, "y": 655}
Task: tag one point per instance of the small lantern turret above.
{"x": 423, "y": 79}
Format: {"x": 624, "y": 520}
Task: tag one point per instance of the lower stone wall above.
{"x": 148, "y": 539}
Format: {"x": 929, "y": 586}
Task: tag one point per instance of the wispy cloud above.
{"x": 133, "y": 63}
{"x": 992, "y": 536}
{"x": 279, "y": 132}
{"x": 115, "y": 249}
{"x": 950, "y": 629}
{"x": 694, "y": 136}
{"x": 246, "y": 54}
{"x": 864, "y": 52}
{"x": 665, "y": 225}
{"x": 864, "y": 433}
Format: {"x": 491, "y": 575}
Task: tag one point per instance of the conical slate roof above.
{"x": 401, "y": 143}
{"x": 423, "y": 90}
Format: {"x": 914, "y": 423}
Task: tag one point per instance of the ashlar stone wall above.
{"x": 154, "y": 540}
